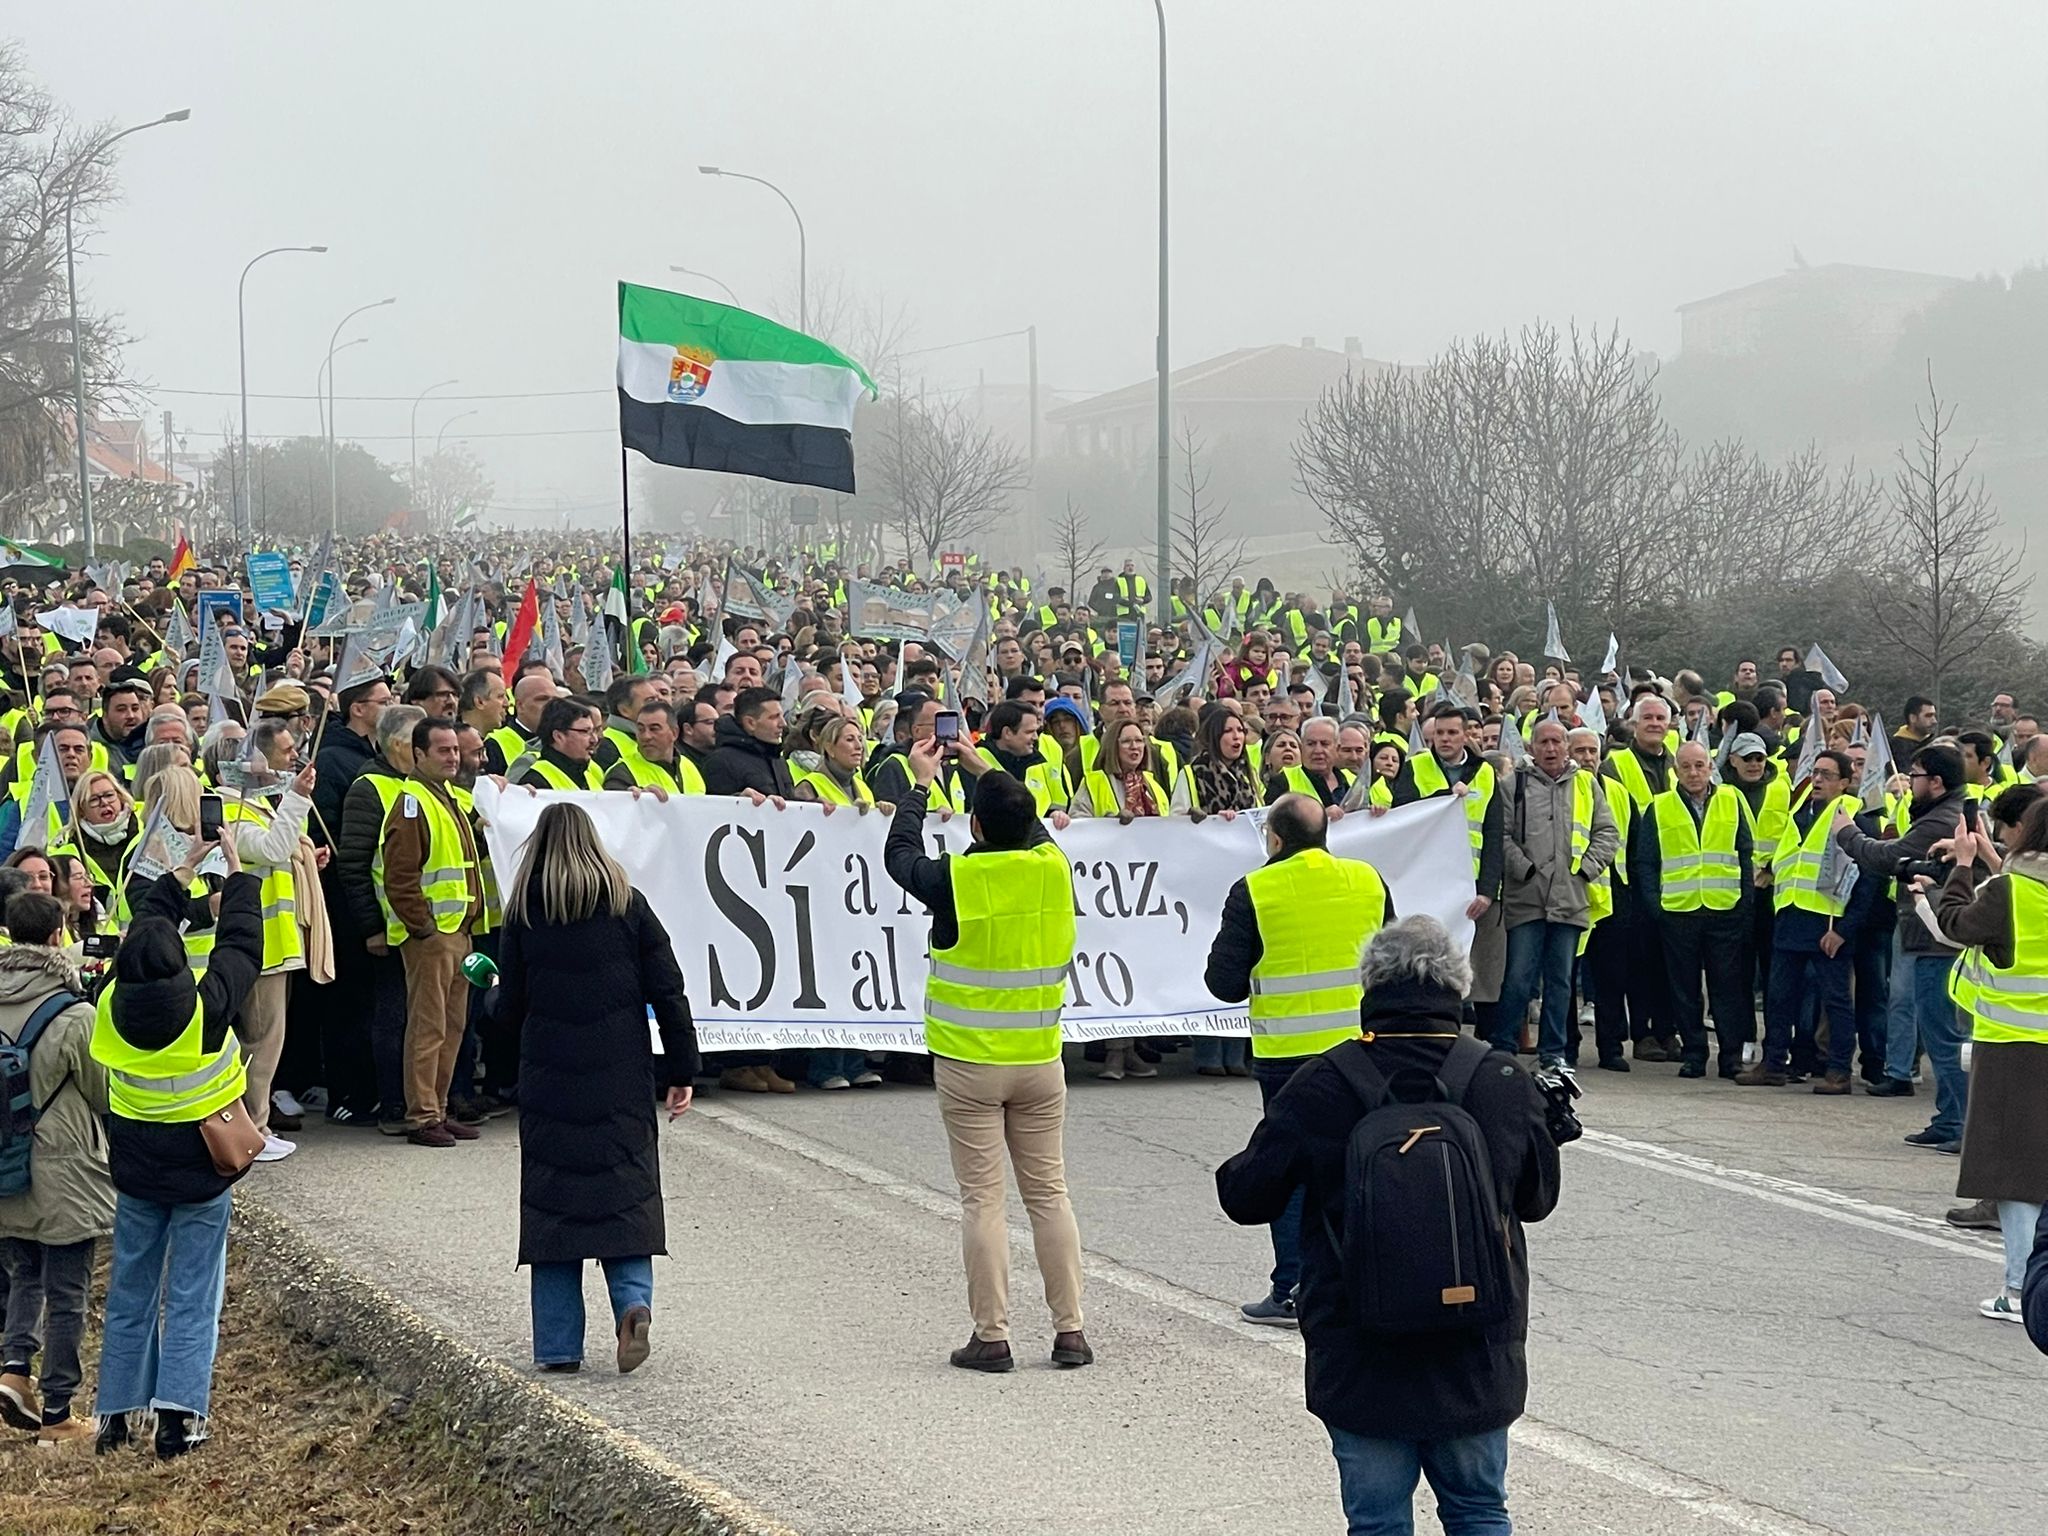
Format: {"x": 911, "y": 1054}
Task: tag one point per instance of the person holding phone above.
{"x": 176, "y": 796}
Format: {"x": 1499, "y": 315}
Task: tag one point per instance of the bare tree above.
{"x": 946, "y": 477}
{"x": 1947, "y": 583}
{"x": 1075, "y": 551}
{"x": 450, "y": 480}
{"x": 1202, "y": 551}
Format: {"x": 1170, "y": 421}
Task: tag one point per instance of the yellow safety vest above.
{"x": 2009, "y": 1004}
{"x": 448, "y": 870}
{"x": 1048, "y": 785}
{"x": 1419, "y": 687}
{"x": 1600, "y": 892}
{"x": 387, "y": 787}
{"x": 494, "y": 912}
{"x": 1380, "y": 792}
{"x": 1430, "y": 781}
{"x": 25, "y": 758}
{"x": 1700, "y": 865}
{"x": 829, "y": 792}
{"x": 1102, "y": 794}
{"x": 1796, "y": 864}
{"x": 994, "y": 996}
{"x": 625, "y": 741}
{"x": 1297, "y": 779}
{"x": 282, "y": 943}
{"x": 1382, "y": 636}
{"x": 198, "y": 941}
{"x": 1767, "y": 826}
{"x": 179, "y": 1085}
{"x": 1629, "y": 769}
{"x": 684, "y": 779}
{"x": 1312, "y": 910}
{"x": 512, "y": 743}
{"x": 593, "y": 776}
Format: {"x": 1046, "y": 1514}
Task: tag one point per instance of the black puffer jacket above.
{"x": 343, "y": 756}
{"x": 360, "y": 833}
{"x": 578, "y": 995}
{"x": 1422, "y": 1386}
{"x": 169, "y": 1163}
{"x": 739, "y": 762}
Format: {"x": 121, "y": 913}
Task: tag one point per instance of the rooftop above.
{"x": 1269, "y": 375}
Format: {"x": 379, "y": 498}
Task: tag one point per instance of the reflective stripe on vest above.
{"x": 445, "y": 872}
{"x": 281, "y": 941}
{"x": 593, "y": 776}
{"x": 2009, "y": 1004}
{"x": 494, "y": 913}
{"x": 829, "y": 790}
{"x": 179, "y": 1084}
{"x": 1430, "y": 781}
{"x": 994, "y": 996}
{"x": 1311, "y": 908}
{"x": 1102, "y": 794}
{"x": 1796, "y": 867}
{"x": 1700, "y": 864}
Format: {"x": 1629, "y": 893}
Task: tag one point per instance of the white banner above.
{"x": 790, "y": 932}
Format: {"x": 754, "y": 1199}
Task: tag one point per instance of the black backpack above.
{"x": 1425, "y": 1246}
{"x": 19, "y": 1111}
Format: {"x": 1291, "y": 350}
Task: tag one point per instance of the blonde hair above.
{"x": 176, "y": 789}
{"x": 578, "y": 879}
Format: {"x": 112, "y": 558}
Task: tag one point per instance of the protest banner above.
{"x": 790, "y": 933}
{"x": 270, "y": 581}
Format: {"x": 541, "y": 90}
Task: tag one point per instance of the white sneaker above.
{"x": 276, "y": 1149}
{"x": 313, "y": 1098}
{"x": 2003, "y": 1308}
{"x": 1138, "y": 1066}
{"x": 282, "y": 1100}
{"x": 868, "y": 1079}
{"x": 835, "y": 1082}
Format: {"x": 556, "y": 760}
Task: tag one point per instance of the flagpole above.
{"x": 626, "y": 522}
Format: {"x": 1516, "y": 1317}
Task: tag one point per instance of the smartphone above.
{"x": 1970, "y": 814}
{"x": 101, "y": 946}
{"x": 946, "y": 727}
{"x": 210, "y": 819}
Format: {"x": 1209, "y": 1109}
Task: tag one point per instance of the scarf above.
{"x": 112, "y": 831}
{"x": 1138, "y": 795}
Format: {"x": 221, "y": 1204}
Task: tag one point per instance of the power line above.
{"x": 235, "y": 394}
{"x": 401, "y": 437}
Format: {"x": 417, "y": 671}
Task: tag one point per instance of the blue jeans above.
{"x": 1901, "y": 1037}
{"x": 827, "y": 1062}
{"x": 558, "y": 1303}
{"x": 1220, "y": 1050}
{"x": 1941, "y": 1036}
{"x": 1803, "y": 977}
{"x": 2016, "y": 1223}
{"x": 1540, "y": 958}
{"x": 1273, "y": 1073}
{"x": 164, "y": 1290}
{"x": 1469, "y": 1477}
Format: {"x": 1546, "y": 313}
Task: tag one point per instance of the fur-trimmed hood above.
{"x": 31, "y": 972}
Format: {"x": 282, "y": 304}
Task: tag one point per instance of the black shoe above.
{"x": 174, "y": 1436}
{"x": 1071, "y": 1349}
{"x": 1693, "y": 1069}
{"x": 1872, "y": 1070}
{"x": 113, "y": 1435}
{"x": 1980, "y": 1216}
{"x": 1889, "y": 1088}
{"x": 984, "y": 1355}
{"x": 563, "y": 1367}
{"x": 1929, "y": 1138}
{"x": 1729, "y": 1069}
{"x": 1952, "y": 1148}
{"x": 1614, "y": 1064}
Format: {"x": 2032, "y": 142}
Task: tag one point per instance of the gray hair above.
{"x": 395, "y": 725}
{"x": 1415, "y": 949}
{"x": 218, "y": 745}
{"x": 168, "y": 714}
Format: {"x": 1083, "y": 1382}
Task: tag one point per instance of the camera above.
{"x": 1559, "y": 1087}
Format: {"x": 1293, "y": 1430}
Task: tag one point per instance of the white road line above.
{"x": 1810, "y": 1198}
{"x": 1559, "y": 1444}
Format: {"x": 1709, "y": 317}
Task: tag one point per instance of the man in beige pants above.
{"x": 1002, "y": 939}
{"x": 267, "y": 838}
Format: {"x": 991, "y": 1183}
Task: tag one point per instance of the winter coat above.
{"x": 1537, "y": 820}
{"x": 1422, "y": 1386}
{"x": 360, "y": 834}
{"x": 1932, "y": 823}
{"x": 740, "y": 762}
{"x": 577, "y": 994}
{"x": 344, "y": 756}
{"x": 70, "y": 1197}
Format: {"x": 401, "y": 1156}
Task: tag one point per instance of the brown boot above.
{"x": 19, "y": 1405}
{"x": 1833, "y": 1084}
{"x": 984, "y": 1355}
{"x": 67, "y": 1431}
{"x": 1071, "y": 1349}
{"x": 742, "y": 1080}
{"x": 1760, "y": 1076}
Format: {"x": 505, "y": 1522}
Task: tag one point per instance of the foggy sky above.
{"x": 1403, "y": 173}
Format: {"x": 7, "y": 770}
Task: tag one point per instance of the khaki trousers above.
{"x": 986, "y": 1110}
{"x": 260, "y": 1028}
{"x": 436, "y": 1014}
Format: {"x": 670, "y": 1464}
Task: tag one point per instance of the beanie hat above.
{"x": 152, "y": 951}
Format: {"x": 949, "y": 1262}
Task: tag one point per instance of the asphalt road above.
{"x": 1747, "y": 1318}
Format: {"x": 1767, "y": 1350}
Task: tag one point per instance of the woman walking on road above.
{"x": 583, "y": 959}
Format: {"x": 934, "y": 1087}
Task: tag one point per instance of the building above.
{"x": 1863, "y": 310}
{"x": 1254, "y": 394}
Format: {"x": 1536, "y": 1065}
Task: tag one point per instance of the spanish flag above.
{"x": 181, "y": 557}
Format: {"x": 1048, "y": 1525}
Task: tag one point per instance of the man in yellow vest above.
{"x": 1002, "y": 941}
{"x": 653, "y": 762}
{"x": 520, "y": 736}
{"x": 1289, "y": 942}
{"x": 1822, "y": 905}
{"x": 1382, "y": 630}
{"x": 379, "y": 981}
{"x": 1643, "y": 769}
{"x": 568, "y": 737}
{"x": 1690, "y": 863}
{"x": 433, "y": 896}
{"x": 267, "y": 835}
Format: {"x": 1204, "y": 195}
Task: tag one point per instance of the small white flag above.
{"x": 1553, "y": 642}
{"x": 1877, "y": 765}
{"x": 1511, "y": 741}
{"x": 45, "y": 790}
{"x": 1613, "y": 658}
{"x": 1817, "y": 661}
{"x": 1593, "y": 712}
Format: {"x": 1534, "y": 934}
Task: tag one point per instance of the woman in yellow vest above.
{"x": 175, "y": 793}
{"x": 103, "y": 827}
{"x": 164, "y": 1036}
{"x": 1387, "y": 759}
{"x": 2001, "y": 980}
{"x": 837, "y": 780}
{"x": 1220, "y": 780}
{"x": 1122, "y": 784}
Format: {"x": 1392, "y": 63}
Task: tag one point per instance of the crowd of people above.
{"x": 272, "y": 877}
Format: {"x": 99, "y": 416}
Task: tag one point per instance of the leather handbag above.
{"x": 232, "y": 1140}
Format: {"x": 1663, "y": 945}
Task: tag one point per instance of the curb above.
{"x": 585, "y": 1474}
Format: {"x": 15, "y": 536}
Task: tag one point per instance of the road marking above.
{"x": 1814, "y": 1200}
{"x": 1545, "y": 1439}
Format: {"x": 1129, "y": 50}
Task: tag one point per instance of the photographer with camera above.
{"x": 1417, "y": 1147}
{"x": 1920, "y": 960}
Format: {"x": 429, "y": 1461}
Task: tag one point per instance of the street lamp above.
{"x": 320, "y": 378}
{"x": 443, "y": 433}
{"x": 334, "y": 437}
{"x": 692, "y": 272}
{"x": 243, "y": 522}
{"x": 414, "y": 431}
{"x": 803, "y": 313}
{"x": 1165, "y": 526}
{"x": 71, "y": 283}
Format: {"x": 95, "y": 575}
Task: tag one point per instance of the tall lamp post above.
{"x": 333, "y": 436}
{"x": 1165, "y": 411}
{"x": 463, "y": 416}
{"x": 414, "y": 431}
{"x": 693, "y": 272}
{"x": 803, "y": 311}
{"x": 77, "y": 349}
{"x": 244, "y": 522}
